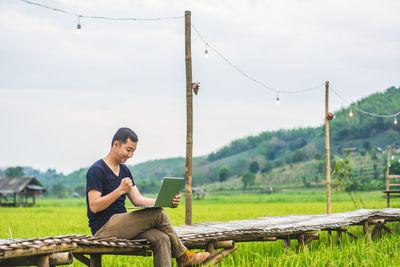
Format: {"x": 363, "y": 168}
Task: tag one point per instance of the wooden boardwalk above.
{"x": 211, "y": 236}
{"x": 282, "y": 225}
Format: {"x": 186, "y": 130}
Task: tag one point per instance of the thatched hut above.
{"x": 20, "y": 190}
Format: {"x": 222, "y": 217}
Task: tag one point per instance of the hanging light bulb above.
{"x": 351, "y": 114}
{"x": 206, "y": 51}
{"x": 277, "y": 99}
{"x": 78, "y": 27}
{"x": 395, "y": 120}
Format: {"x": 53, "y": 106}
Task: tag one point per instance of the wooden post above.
{"x": 300, "y": 242}
{"x": 329, "y": 237}
{"x": 338, "y": 237}
{"x": 43, "y": 261}
{"x": 286, "y": 243}
{"x": 95, "y": 260}
{"x": 367, "y": 229}
{"x": 387, "y": 179}
{"x": 211, "y": 249}
{"x": 328, "y": 160}
{"x": 213, "y": 260}
{"x": 189, "y": 118}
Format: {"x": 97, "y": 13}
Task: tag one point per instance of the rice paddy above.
{"x": 52, "y": 217}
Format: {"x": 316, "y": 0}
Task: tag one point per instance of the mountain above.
{"x": 275, "y": 149}
{"x": 286, "y": 156}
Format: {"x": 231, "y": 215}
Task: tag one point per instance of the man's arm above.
{"x": 138, "y": 200}
{"x": 98, "y": 203}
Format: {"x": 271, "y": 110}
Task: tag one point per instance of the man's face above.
{"x": 125, "y": 151}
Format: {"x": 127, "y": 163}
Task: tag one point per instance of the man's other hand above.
{"x": 175, "y": 201}
{"x": 126, "y": 185}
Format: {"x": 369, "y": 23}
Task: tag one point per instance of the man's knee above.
{"x": 159, "y": 213}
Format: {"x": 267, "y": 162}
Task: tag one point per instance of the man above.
{"x": 108, "y": 183}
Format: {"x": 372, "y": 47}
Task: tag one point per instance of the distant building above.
{"x": 350, "y": 149}
{"x": 19, "y": 190}
{"x": 198, "y": 192}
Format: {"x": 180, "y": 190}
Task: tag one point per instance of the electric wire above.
{"x": 99, "y": 17}
{"x": 195, "y": 29}
{"x": 248, "y": 76}
{"x": 243, "y": 73}
{"x": 363, "y": 111}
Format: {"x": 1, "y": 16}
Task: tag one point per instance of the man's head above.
{"x": 123, "y": 134}
{"x": 124, "y": 144}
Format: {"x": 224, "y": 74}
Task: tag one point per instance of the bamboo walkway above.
{"x": 211, "y": 236}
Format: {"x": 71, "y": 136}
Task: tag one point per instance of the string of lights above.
{"x": 98, "y": 17}
{"x": 207, "y": 45}
{"x": 351, "y": 114}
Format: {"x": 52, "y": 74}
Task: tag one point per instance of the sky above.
{"x": 63, "y": 95}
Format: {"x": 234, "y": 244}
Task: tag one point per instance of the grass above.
{"x": 52, "y": 217}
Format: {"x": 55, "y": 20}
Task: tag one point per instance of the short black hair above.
{"x": 123, "y": 134}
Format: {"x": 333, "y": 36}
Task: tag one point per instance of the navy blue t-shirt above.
{"x": 101, "y": 178}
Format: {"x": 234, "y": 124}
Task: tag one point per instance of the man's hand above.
{"x": 175, "y": 201}
{"x": 125, "y": 186}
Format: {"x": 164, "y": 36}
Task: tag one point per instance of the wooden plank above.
{"x": 20, "y": 261}
{"x": 23, "y": 252}
{"x": 109, "y": 250}
{"x": 269, "y": 228}
{"x": 60, "y": 258}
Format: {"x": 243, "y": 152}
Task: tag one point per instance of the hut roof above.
{"x": 18, "y": 184}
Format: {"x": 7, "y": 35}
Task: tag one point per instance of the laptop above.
{"x": 170, "y": 187}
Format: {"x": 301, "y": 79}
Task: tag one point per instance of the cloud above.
{"x": 63, "y": 95}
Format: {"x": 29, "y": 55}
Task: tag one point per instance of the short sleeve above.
{"x": 94, "y": 179}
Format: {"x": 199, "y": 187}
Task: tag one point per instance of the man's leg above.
{"x": 130, "y": 225}
{"x": 161, "y": 246}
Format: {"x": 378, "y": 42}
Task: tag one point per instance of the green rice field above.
{"x": 52, "y": 217}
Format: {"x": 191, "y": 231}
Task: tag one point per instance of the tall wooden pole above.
{"x": 189, "y": 114}
{"x": 328, "y": 159}
{"x": 387, "y": 179}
